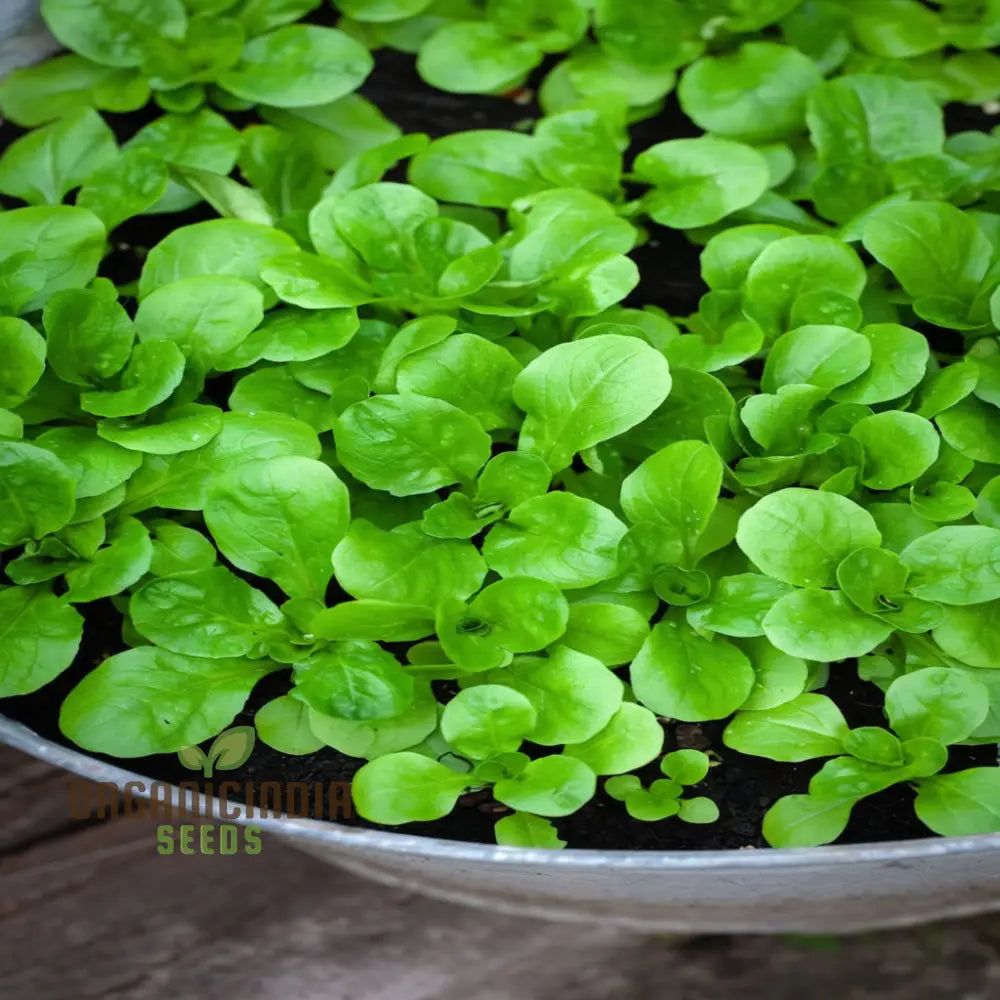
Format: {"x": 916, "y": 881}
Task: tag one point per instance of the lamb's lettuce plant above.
{"x": 663, "y": 798}
{"x": 401, "y": 431}
{"x": 629, "y": 56}
{"x": 183, "y": 51}
{"x": 928, "y": 710}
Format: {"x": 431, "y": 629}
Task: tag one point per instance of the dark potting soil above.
{"x": 743, "y": 787}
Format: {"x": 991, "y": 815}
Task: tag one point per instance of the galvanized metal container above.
{"x": 24, "y": 39}
{"x": 826, "y": 889}
{"x": 814, "y": 890}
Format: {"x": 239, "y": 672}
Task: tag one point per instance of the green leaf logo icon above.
{"x": 230, "y": 749}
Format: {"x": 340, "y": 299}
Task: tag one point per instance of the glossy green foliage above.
{"x": 423, "y": 426}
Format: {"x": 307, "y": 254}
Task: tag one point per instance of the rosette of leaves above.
{"x": 238, "y": 53}
{"x": 928, "y": 709}
{"x": 664, "y": 797}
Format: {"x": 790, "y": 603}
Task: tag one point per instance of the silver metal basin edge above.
{"x": 835, "y": 890}
{"x": 24, "y": 39}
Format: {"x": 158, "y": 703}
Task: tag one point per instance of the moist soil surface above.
{"x": 743, "y": 787}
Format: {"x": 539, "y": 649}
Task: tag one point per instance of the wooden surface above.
{"x": 90, "y": 910}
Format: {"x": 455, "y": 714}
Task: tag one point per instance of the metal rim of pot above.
{"x": 20, "y": 737}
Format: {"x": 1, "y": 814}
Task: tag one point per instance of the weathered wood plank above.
{"x": 278, "y": 924}
{"x": 96, "y": 913}
{"x": 34, "y": 800}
